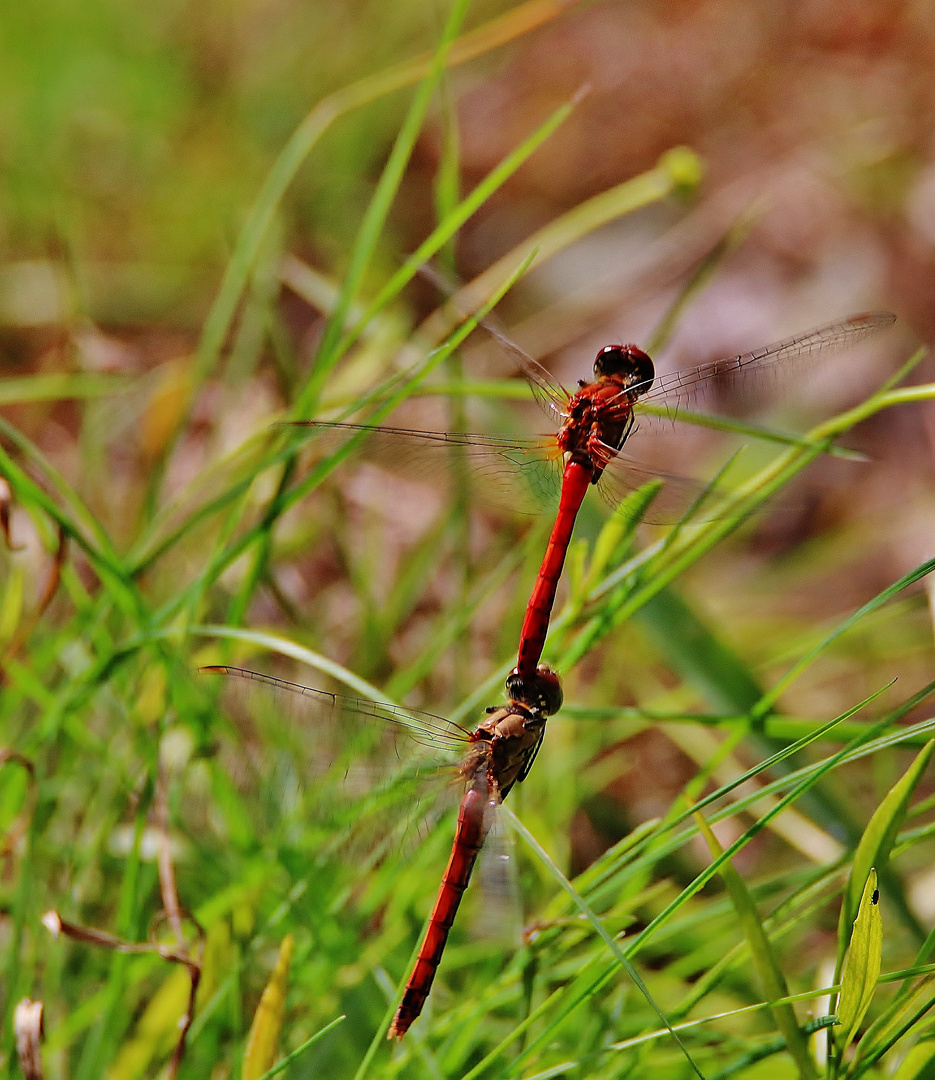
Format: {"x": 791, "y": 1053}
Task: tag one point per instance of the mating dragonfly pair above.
{"x": 594, "y": 423}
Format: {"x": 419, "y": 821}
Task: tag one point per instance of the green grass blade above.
{"x": 877, "y": 841}
{"x": 60, "y": 386}
{"x": 83, "y": 523}
{"x": 274, "y": 643}
{"x": 699, "y": 279}
{"x": 105, "y": 563}
{"x": 286, "y": 498}
{"x": 449, "y": 226}
{"x": 862, "y": 966}
{"x": 919, "y": 1063}
{"x": 892, "y": 1024}
{"x": 774, "y": 982}
{"x": 369, "y": 89}
{"x": 801, "y": 785}
{"x": 698, "y": 655}
{"x": 299, "y": 1050}
{"x": 772, "y": 696}
{"x": 371, "y": 228}
{"x": 598, "y": 926}
{"x": 665, "y": 178}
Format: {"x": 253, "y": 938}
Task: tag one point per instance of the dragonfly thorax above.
{"x": 504, "y": 744}
{"x": 597, "y": 421}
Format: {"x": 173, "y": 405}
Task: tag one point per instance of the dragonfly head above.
{"x": 542, "y": 691}
{"x": 626, "y": 363}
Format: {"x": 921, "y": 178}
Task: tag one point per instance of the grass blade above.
{"x": 862, "y": 966}
{"x": 371, "y": 228}
{"x": 263, "y": 1039}
{"x": 919, "y": 1063}
{"x": 289, "y": 1058}
{"x": 877, "y": 842}
{"x": 774, "y": 983}
{"x": 598, "y": 926}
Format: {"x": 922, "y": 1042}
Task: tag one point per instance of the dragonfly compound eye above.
{"x": 542, "y": 691}
{"x": 625, "y": 362}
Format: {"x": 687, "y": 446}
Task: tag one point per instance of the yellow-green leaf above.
{"x": 218, "y": 959}
{"x": 264, "y": 1031}
{"x": 157, "y": 1030}
{"x": 877, "y": 840}
{"x": 862, "y": 966}
{"x": 899, "y": 1018}
{"x": 919, "y": 1063}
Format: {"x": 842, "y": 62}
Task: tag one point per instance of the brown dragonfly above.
{"x": 493, "y": 757}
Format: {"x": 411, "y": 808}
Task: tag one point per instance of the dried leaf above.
{"x": 27, "y": 1025}
{"x": 166, "y": 408}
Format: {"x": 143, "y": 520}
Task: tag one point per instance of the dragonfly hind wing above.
{"x": 678, "y": 499}
{"x": 360, "y": 773}
{"x": 497, "y": 916}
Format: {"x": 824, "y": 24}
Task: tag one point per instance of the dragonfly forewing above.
{"x": 520, "y": 474}
{"x": 366, "y": 770}
{"x": 677, "y": 387}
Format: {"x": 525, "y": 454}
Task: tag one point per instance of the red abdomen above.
{"x": 575, "y": 482}
{"x": 469, "y": 839}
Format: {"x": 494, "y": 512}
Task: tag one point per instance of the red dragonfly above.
{"x": 496, "y": 755}
{"x": 593, "y": 424}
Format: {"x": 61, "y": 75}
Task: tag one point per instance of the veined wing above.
{"x": 422, "y": 727}
{"x": 551, "y": 396}
{"x": 677, "y": 385}
{"x": 523, "y": 473}
{"x": 676, "y": 496}
{"x": 366, "y": 774}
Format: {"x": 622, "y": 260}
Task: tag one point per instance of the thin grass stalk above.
{"x": 300, "y": 490}
{"x": 619, "y": 954}
{"x": 371, "y": 228}
{"x": 371, "y": 88}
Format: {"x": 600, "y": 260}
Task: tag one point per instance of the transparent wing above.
{"x": 422, "y": 727}
{"x": 498, "y": 918}
{"x": 677, "y": 386}
{"x": 551, "y": 396}
{"x": 525, "y": 473}
{"x": 676, "y": 497}
{"x": 363, "y": 772}
{"x": 521, "y": 473}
